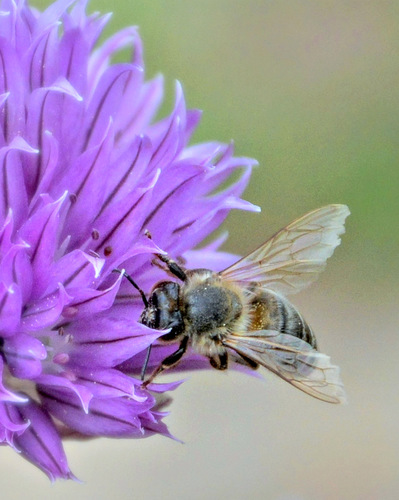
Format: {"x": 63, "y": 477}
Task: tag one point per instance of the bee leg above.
{"x": 173, "y": 267}
{"x": 244, "y": 360}
{"x": 168, "y": 362}
{"x": 220, "y": 361}
{"x": 147, "y": 359}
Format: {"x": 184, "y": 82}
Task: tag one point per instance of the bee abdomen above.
{"x": 270, "y": 311}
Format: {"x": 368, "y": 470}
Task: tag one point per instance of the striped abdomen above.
{"x": 270, "y": 311}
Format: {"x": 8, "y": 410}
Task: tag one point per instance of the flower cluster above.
{"x": 85, "y": 170}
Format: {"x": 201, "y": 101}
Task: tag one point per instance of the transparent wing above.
{"x": 293, "y": 360}
{"x": 293, "y": 258}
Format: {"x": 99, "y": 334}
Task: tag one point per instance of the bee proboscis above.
{"x": 241, "y": 314}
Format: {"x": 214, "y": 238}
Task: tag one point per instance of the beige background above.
{"x": 310, "y": 89}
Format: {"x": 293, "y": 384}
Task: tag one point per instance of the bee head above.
{"x": 163, "y": 311}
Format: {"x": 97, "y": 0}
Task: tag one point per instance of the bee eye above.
{"x": 154, "y": 299}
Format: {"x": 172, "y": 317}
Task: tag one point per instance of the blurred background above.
{"x": 309, "y": 89}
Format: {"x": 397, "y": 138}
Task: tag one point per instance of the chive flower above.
{"x": 86, "y": 170}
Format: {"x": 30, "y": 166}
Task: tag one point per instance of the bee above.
{"x": 241, "y": 314}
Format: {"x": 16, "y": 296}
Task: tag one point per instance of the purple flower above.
{"x": 85, "y": 170}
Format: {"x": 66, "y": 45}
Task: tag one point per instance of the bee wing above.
{"x": 292, "y": 359}
{"x": 292, "y": 258}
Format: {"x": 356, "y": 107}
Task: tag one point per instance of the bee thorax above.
{"x": 209, "y": 307}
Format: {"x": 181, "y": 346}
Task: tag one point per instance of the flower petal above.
{"x": 114, "y": 417}
{"x": 46, "y": 311}
{"x": 107, "y": 340}
{"x": 12, "y": 117}
{"x": 108, "y": 383}
{"x": 63, "y": 385}
{"x": 10, "y": 309}
{"x": 105, "y": 102}
{"x": 5, "y": 394}
{"x": 76, "y": 269}
{"x": 40, "y": 443}
{"x": 41, "y": 232}
{"x": 12, "y": 183}
{"x": 88, "y": 301}
{"x": 24, "y": 355}
{"x": 9, "y": 427}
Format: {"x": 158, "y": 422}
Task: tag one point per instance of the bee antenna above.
{"x": 132, "y": 282}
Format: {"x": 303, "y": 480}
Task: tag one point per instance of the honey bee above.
{"x": 241, "y": 314}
